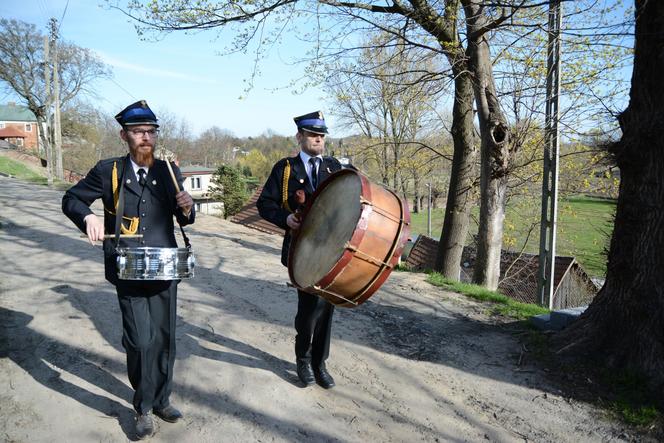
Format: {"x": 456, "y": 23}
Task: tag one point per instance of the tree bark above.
{"x": 457, "y": 210}
{"x": 495, "y": 150}
{"x": 624, "y": 323}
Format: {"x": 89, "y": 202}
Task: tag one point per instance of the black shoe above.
{"x": 323, "y": 378}
{"x": 144, "y": 426}
{"x": 169, "y": 414}
{"x": 305, "y": 372}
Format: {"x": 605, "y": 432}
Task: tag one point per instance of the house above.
{"x": 18, "y": 126}
{"x": 197, "y": 180}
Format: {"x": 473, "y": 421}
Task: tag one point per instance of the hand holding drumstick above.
{"x": 182, "y": 198}
{"x": 295, "y": 219}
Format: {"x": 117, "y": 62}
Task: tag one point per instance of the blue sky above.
{"x": 182, "y": 74}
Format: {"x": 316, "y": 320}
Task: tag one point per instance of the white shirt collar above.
{"x": 305, "y": 157}
{"x": 136, "y": 167}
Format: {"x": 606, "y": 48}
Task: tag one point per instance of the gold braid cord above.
{"x": 284, "y": 187}
{"x": 133, "y": 221}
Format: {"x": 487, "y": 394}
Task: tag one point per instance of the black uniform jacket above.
{"x": 154, "y": 205}
{"x": 270, "y": 201}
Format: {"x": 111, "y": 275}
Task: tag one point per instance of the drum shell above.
{"x": 149, "y": 263}
{"x": 370, "y": 253}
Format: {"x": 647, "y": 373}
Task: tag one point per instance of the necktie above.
{"x": 141, "y": 177}
{"x": 314, "y": 172}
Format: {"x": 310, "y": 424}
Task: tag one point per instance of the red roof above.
{"x": 12, "y": 132}
{"x": 248, "y": 216}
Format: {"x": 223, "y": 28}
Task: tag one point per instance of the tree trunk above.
{"x": 495, "y": 150}
{"x": 455, "y": 224}
{"x": 46, "y": 142}
{"x": 623, "y": 324}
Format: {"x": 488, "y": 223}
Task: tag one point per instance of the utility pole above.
{"x": 57, "y": 128}
{"x": 46, "y": 129}
{"x": 548, "y": 222}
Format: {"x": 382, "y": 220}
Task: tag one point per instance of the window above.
{"x": 19, "y": 141}
{"x": 197, "y": 207}
{"x": 195, "y": 183}
{"x": 28, "y": 127}
{"x": 2, "y": 125}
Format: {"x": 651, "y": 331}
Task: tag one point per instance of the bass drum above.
{"x": 350, "y": 239}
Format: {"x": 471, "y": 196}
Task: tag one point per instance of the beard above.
{"x": 141, "y": 157}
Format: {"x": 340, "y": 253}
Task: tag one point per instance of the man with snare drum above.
{"x": 290, "y": 177}
{"x": 140, "y": 199}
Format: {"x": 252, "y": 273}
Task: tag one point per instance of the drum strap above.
{"x": 284, "y": 187}
{"x": 133, "y": 221}
{"x": 119, "y": 209}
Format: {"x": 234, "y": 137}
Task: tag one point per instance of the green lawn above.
{"x": 18, "y": 170}
{"x": 584, "y": 227}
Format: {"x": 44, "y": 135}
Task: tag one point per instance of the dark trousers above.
{"x": 148, "y": 336}
{"x": 313, "y": 324}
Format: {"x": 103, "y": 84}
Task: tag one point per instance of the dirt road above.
{"x": 414, "y": 363}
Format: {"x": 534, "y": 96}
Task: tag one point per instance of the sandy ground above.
{"x": 414, "y": 363}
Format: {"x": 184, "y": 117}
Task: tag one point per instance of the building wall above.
{"x": 209, "y": 207}
{"x": 31, "y": 136}
{"x": 197, "y": 185}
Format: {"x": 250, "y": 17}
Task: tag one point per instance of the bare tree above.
{"x": 22, "y": 70}
{"x": 382, "y": 96}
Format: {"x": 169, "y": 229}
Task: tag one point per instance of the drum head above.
{"x": 329, "y": 224}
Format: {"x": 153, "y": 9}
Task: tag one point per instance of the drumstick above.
{"x": 121, "y": 236}
{"x": 175, "y": 182}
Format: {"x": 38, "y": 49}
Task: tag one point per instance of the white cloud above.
{"x": 121, "y": 64}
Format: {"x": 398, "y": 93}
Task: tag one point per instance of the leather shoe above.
{"x": 323, "y": 378}
{"x": 144, "y": 426}
{"x": 169, "y": 414}
{"x": 305, "y": 372}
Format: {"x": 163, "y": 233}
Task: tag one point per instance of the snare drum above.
{"x": 155, "y": 263}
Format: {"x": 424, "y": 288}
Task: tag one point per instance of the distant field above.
{"x": 584, "y": 229}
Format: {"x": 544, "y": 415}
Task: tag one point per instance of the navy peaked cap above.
{"x": 138, "y": 113}
{"x": 312, "y": 122}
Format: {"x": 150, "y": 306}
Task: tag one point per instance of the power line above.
{"x": 63, "y": 16}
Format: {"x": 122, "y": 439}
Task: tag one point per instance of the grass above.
{"x": 584, "y": 227}
{"x": 19, "y": 170}
{"x": 634, "y": 401}
{"x": 503, "y": 304}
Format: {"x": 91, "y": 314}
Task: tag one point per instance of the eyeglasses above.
{"x": 152, "y": 133}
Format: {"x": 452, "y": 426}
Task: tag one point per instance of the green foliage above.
{"x": 504, "y": 305}
{"x": 257, "y": 164}
{"x": 227, "y": 185}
